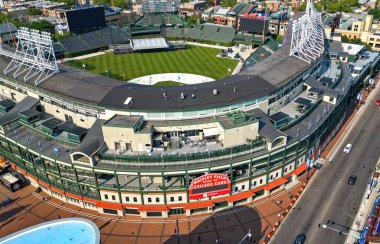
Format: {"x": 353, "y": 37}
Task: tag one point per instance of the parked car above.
{"x": 300, "y": 239}
{"x": 377, "y": 102}
{"x": 352, "y": 179}
{"x": 347, "y": 148}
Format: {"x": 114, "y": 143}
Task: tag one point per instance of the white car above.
{"x": 347, "y": 148}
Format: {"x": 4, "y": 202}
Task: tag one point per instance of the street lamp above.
{"x": 340, "y": 232}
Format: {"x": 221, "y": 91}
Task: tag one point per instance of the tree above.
{"x": 319, "y": 6}
{"x": 119, "y": 3}
{"x": 34, "y": 11}
{"x": 41, "y": 25}
{"x": 301, "y": 8}
{"x": 68, "y": 2}
{"x": 210, "y": 20}
{"x": 228, "y": 3}
{"x": 101, "y": 2}
{"x": 375, "y": 13}
{"x": 358, "y": 41}
{"x": 193, "y": 20}
{"x": 59, "y": 37}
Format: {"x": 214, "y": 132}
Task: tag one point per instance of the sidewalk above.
{"x": 85, "y": 56}
{"x": 327, "y": 153}
{"x": 364, "y": 211}
{"x": 331, "y": 149}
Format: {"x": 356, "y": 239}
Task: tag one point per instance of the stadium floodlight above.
{"x": 307, "y": 35}
{"x": 34, "y": 56}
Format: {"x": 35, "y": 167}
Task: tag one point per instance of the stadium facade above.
{"x": 152, "y": 151}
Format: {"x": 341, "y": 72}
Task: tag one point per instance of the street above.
{"x": 329, "y": 199}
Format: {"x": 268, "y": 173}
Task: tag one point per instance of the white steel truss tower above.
{"x": 34, "y": 56}
{"x": 307, "y": 35}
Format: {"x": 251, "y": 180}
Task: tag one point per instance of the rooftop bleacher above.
{"x": 149, "y": 20}
{"x": 207, "y": 32}
{"x": 248, "y": 39}
{"x": 93, "y": 40}
{"x": 261, "y": 53}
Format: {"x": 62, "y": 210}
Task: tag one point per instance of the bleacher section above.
{"x": 93, "y": 40}
{"x": 261, "y": 53}
{"x": 248, "y": 39}
{"x": 272, "y": 44}
{"x": 206, "y": 32}
{"x": 147, "y": 30}
{"x": 155, "y": 20}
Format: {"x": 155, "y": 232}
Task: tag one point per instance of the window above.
{"x": 113, "y": 197}
{"x": 243, "y": 187}
{"x": 236, "y": 188}
{"x": 254, "y": 183}
{"x": 172, "y": 199}
{"x": 149, "y": 199}
{"x": 290, "y": 167}
{"x": 271, "y": 177}
{"x": 135, "y": 199}
{"x": 157, "y": 199}
{"x": 180, "y": 198}
{"x": 276, "y": 175}
{"x": 127, "y": 199}
{"x": 261, "y": 181}
{"x": 106, "y": 196}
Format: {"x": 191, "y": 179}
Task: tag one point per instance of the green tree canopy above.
{"x": 228, "y": 3}
{"x": 34, "y": 11}
{"x": 358, "y": 41}
{"x": 41, "y": 25}
{"x": 119, "y": 3}
{"x": 333, "y": 6}
{"x": 375, "y": 13}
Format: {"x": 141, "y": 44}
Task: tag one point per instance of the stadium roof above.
{"x": 303, "y": 101}
{"x": 149, "y": 43}
{"x": 278, "y": 116}
{"x": 25, "y": 104}
{"x": 252, "y": 83}
{"x": 93, "y": 141}
{"x": 7, "y": 28}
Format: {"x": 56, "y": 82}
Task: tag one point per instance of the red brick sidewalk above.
{"x": 229, "y": 225}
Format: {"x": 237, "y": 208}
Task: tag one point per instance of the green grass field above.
{"x": 168, "y": 83}
{"x": 193, "y": 60}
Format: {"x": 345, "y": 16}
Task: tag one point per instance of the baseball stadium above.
{"x": 85, "y": 136}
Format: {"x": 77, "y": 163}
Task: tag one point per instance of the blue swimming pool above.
{"x": 63, "y": 231}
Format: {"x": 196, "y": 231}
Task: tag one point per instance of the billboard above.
{"x": 254, "y": 25}
{"x": 209, "y": 185}
{"x": 85, "y": 19}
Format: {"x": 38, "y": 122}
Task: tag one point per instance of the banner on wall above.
{"x": 209, "y": 185}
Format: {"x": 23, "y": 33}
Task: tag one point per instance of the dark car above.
{"x": 300, "y": 239}
{"x": 352, "y": 179}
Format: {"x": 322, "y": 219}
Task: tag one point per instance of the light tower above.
{"x": 34, "y": 58}
{"x": 307, "y": 35}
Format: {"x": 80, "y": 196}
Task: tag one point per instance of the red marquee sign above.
{"x": 209, "y": 185}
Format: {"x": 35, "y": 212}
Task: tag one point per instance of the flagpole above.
{"x": 177, "y": 232}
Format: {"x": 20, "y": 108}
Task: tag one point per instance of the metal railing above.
{"x": 190, "y": 157}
